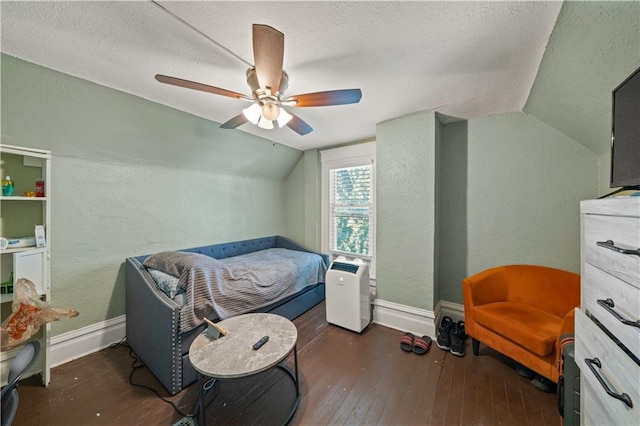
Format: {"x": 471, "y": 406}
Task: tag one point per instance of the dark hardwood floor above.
{"x": 345, "y": 379}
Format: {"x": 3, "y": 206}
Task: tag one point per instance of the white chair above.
{"x": 21, "y": 364}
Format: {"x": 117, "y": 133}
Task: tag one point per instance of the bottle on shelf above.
{"x": 8, "y": 186}
{"x": 39, "y": 188}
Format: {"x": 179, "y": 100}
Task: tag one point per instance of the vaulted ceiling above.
{"x": 557, "y": 61}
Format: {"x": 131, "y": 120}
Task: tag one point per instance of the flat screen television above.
{"x": 625, "y": 133}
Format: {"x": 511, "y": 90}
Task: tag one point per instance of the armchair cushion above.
{"x": 530, "y": 327}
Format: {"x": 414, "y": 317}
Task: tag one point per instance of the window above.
{"x": 350, "y": 210}
{"x": 348, "y": 203}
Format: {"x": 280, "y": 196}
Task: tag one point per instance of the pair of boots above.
{"x": 451, "y": 336}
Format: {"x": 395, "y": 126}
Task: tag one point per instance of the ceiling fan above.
{"x": 268, "y": 82}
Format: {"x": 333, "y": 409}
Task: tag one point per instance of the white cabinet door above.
{"x": 30, "y": 264}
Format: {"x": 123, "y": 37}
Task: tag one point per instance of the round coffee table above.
{"x": 233, "y": 356}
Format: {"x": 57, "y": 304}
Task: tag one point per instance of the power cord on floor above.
{"x": 137, "y": 364}
{"x": 121, "y": 342}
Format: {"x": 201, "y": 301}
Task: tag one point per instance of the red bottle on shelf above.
{"x": 40, "y": 188}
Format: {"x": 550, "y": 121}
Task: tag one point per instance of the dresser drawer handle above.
{"x": 612, "y": 246}
{"x": 608, "y": 305}
{"x": 622, "y": 397}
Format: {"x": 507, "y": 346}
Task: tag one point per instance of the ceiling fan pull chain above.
{"x": 200, "y": 32}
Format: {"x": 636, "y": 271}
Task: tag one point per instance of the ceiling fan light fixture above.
{"x": 265, "y": 123}
{"x": 270, "y": 111}
{"x": 253, "y": 113}
{"x": 283, "y": 118}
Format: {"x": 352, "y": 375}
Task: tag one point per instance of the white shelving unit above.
{"x": 19, "y": 216}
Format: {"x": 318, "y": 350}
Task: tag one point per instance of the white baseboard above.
{"x": 86, "y": 340}
{"x": 405, "y": 318}
{"x": 453, "y": 310}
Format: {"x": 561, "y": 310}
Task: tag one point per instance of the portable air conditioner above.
{"x": 347, "y": 294}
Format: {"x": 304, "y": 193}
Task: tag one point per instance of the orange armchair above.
{"x": 521, "y": 311}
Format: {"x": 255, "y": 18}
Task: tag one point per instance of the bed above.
{"x": 168, "y": 294}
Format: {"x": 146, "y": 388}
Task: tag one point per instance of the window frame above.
{"x": 338, "y": 158}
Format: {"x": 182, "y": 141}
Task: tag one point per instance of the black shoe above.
{"x": 458, "y": 338}
{"x": 544, "y": 384}
{"x": 444, "y": 333}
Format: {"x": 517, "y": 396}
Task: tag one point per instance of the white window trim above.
{"x": 349, "y": 156}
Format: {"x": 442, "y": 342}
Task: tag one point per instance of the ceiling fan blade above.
{"x": 328, "y": 98}
{"x": 200, "y": 86}
{"x": 268, "y": 54}
{"x": 236, "y": 121}
{"x": 299, "y": 126}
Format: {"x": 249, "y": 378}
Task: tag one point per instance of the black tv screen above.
{"x": 625, "y": 133}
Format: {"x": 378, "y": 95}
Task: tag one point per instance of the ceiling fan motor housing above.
{"x": 259, "y": 92}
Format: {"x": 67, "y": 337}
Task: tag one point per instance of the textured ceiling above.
{"x": 463, "y": 59}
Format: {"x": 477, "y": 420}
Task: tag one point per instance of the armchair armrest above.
{"x": 568, "y": 323}
{"x": 485, "y": 287}
{"x": 566, "y": 330}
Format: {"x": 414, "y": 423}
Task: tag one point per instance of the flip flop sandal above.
{"x": 406, "y": 342}
{"x": 421, "y": 345}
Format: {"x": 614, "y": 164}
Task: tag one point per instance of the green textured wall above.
{"x": 132, "y": 177}
{"x": 294, "y": 202}
{"x": 312, "y": 190}
{"x": 302, "y": 195}
{"x": 405, "y": 231}
{"x": 525, "y": 184}
{"x": 456, "y": 199}
{"x": 453, "y": 212}
{"x": 515, "y": 200}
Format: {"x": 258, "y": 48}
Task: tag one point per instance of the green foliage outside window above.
{"x": 351, "y": 209}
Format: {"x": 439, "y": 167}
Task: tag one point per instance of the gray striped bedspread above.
{"x": 239, "y": 284}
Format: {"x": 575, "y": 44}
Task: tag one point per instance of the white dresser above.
{"x": 607, "y": 345}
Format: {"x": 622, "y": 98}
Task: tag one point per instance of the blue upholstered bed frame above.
{"x": 153, "y": 319}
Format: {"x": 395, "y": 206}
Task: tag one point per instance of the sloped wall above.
{"x": 132, "y": 177}
{"x": 593, "y": 48}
